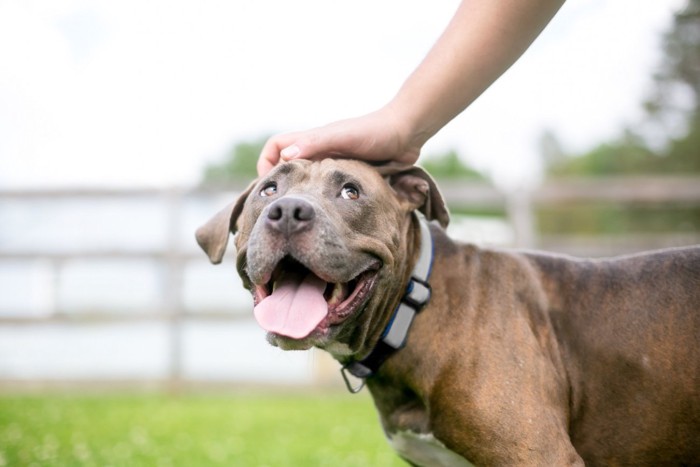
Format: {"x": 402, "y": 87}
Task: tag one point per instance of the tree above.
{"x": 238, "y": 165}
{"x": 678, "y": 79}
{"x": 673, "y": 110}
{"x": 449, "y": 165}
{"x": 674, "y": 103}
{"x": 676, "y": 96}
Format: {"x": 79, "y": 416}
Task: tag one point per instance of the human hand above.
{"x": 454, "y": 73}
{"x": 378, "y": 136}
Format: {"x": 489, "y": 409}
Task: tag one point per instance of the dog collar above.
{"x": 395, "y": 334}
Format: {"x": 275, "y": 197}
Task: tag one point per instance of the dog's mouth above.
{"x": 295, "y": 302}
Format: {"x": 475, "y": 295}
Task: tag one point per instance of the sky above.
{"x": 146, "y": 93}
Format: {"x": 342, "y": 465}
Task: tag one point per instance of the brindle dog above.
{"x": 519, "y": 358}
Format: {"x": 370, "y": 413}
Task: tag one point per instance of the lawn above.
{"x": 331, "y": 430}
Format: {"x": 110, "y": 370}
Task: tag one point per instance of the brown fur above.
{"x": 520, "y": 358}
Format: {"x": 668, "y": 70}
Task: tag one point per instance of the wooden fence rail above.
{"x": 519, "y": 207}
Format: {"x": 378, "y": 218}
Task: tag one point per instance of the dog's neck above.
{"x": 415, "y": 297}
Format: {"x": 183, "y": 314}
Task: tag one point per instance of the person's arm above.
{"x": 483, "y": 39}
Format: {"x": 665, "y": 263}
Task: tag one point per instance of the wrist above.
{"x": 411, "y": 130}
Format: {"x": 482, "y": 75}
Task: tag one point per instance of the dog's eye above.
{"x": 350, "y": 192}
{"x": 269, "y": 189}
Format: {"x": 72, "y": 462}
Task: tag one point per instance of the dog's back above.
{"x": 628, "y": 330}
{"x": 517, "y": 359}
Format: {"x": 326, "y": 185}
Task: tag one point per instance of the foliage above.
{"x": 675, "y": 98}
{"x": 684, "y": 153}
{"x": 604, "y": 218}
{"x": 630, "y": 155}
{"x": 674, "y": 104}
{"x": 150, "y": 430}
{"x": 238, "y": 164}
{"x": 449, "y": 166}
{"x": 678, "y": 79}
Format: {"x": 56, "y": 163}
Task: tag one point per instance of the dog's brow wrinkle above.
{"x": 338, "y": 177}
{"x": 284, "y": 169}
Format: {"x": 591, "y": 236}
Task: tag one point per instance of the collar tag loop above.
{"x": 354, "y": 389}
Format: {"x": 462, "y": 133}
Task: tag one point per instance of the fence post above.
{"x": 53, "y": 288}
{"x": 520, "y": 212}
{"x": 172, "y": 291}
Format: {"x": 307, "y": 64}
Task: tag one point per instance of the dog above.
{"x": 473, "y": 356}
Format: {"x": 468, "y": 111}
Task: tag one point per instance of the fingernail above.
{"x": 290, "y": 152}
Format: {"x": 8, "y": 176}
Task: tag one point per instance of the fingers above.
{"x": 289, "y": 146}
{"x": 290, "y": 152}
{"x": 309, "y": 144}
{"x": 270, "y": 155}
{"x": 373, "y": 137}
{"x": 267, "y": 160}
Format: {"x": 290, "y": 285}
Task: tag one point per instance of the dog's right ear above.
{"x": 212, "y": 237}
{"x": 414, "y": 185}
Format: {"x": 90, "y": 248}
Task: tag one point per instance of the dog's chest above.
{"x": 424, "y": 449}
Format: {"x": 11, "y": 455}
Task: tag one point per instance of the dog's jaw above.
{"x": 344, "y": 300}
{"x": 346, "y": 243}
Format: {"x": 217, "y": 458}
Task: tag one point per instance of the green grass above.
{"x": 192, "y": 430}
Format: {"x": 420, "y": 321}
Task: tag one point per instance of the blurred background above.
{"x": 126, "y": 125}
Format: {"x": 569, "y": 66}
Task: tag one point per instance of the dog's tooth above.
{"x": 337, "y": 294}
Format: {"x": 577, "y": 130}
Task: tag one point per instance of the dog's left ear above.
{"x": 213, "y": 236}
{"x": 415, "y": 186}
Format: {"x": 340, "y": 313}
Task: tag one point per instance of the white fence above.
{"x": 109, "y": 285}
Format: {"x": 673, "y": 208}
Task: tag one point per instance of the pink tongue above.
{"x": 295, "y": 308}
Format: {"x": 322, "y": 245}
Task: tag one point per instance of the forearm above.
{"x": 484, "y": 38}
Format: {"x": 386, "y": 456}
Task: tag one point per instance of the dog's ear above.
{"x": 213, "y": 236}
{"x": 415, "y": 186}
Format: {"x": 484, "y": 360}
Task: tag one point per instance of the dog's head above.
{"x": 324, "y": 247}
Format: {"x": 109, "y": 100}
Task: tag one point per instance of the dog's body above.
{"x": 518, "y": 359}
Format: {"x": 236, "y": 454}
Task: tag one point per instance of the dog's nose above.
{"x": 290, "y": 215}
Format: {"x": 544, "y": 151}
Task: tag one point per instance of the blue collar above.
{"x": 395, "y": 334}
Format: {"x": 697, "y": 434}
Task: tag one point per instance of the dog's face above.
{"x": 322, "y": 248}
